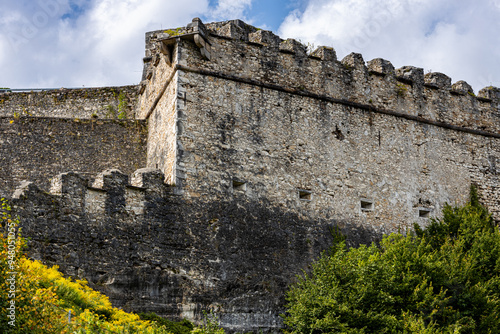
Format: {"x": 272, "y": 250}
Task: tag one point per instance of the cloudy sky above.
{"x": 76, "y": 43}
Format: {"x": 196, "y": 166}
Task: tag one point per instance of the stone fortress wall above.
{"x": 88, "y": 130}
{"x": 255, "y": 149}
{"x": 84, "y": 103}
{"x": 249, "y": 112}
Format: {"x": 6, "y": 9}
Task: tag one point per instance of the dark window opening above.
{"x": 305, "y": 195}
{"x": 239, "y": 185}
{"x": 424, "y": 213}
{"x": 366, "y": 205}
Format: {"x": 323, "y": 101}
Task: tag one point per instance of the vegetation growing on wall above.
{"x": 401, "y": 89}
{"x": 174, "y": 32}
{"x": 444, "y": 279}
{"x": 122, "y": 106}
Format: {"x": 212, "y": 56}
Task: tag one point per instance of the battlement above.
{"x": 236, "y": 51}
{"x": 110, "y": 193}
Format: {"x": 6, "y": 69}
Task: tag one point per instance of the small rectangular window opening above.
{"x": 366, "y": 205}
{"x": 424, "y": 213}
{"x": 305, "y": 195}
{"x": 239, "y": 185}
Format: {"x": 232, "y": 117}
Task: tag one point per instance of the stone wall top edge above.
{"x": 114, "y": 102}
{"x": 245, "y": 33}
{"x": 66, "y": 89}
{"x": 72, "y": 183}
{"x": 76, "y": 120}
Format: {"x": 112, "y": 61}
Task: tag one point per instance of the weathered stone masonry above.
{"x": 255, "y": 151}
{"x": 281, "y": 120}
{"x": 105, "y": 102}
{"x": 46, "y": 133}
{"x": 38, "y": 149}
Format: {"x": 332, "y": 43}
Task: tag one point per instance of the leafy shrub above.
{"x": 182, "y": 327}
{"x": 444, "y": 279}
{"x": 210, "y": 325}
{"x": 43, "y": 297}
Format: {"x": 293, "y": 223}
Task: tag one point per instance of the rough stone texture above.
{"x": 490, "y": 93}
{"x": 271, "y": 119}
{"x": 102, "y": 103}
{"x": 279, "y": 144}
{"x": 380, "y": 66}
{"x": 256, "y": 150}
{"x": 438, "y": 80}
{"x": 150, "y": 250}
{"x": 462, "y": 87}
{"x": 160, "y": 92}
{"x": 37, "y": 149}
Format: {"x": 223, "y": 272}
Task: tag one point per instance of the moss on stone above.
{"x": 401, "y": 89}
{"x": 174, "y": 32}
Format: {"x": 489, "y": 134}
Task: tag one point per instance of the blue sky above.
{"x": 76, "y": 43}
{"x": 271, "y": 13}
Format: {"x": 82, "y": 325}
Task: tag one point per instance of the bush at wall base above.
{"x": 444, "y": 279}
{"x": 38, "y": 299}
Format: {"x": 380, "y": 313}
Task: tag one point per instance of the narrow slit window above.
{"x": 239, "y": 185}
{"x": 366, "y": 205}
{"x": 424, "y": 213}
{"x": 305, "y": 195}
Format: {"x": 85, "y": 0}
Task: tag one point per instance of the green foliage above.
{"x": 452, "y": 225}
{"x": 111, "y": 113}
{"x": 122, "y": 106}
{"x": 444, "y": 279}
{"x": 401, "y": 89}
{"x": 337, "y": 235}
{"x": 210, "y": 325}
{"x": 40, "y": 298}
{"x": 181, "y": 327}
{"x": 121, "y": 113}
{"x": 174, "y": 32}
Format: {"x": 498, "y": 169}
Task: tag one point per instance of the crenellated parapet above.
{"x": 111, "y": 193}
{"x": 240, "y": 52}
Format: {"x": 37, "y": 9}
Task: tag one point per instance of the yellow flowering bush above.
{"x": 38, "y": 299}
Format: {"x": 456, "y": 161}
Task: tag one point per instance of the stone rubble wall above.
{"x": 157, "y": 104}
{"x": 243, "y": 52}
{"x": 279, "y": 145}
{"x": 313, "y": 142}
{"x": 37, "y": 149}
{"x": 151, "y": 250}
{"x": 83, "y": 103}
{"x": 255, "y": 150}
{"x": 110, "y": 192}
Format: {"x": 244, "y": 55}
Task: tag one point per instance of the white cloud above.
{"x": 457, "y": 38}
{"x": 230, "y": 9}
{"x": 3, "y": 47}
{"x": 100, "y": 43}
{"x": 72, "y": 43}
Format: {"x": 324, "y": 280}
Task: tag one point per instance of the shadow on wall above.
{"x": 180, "y": 257}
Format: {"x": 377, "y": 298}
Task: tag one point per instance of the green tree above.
{"x": 444, "y": 279}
